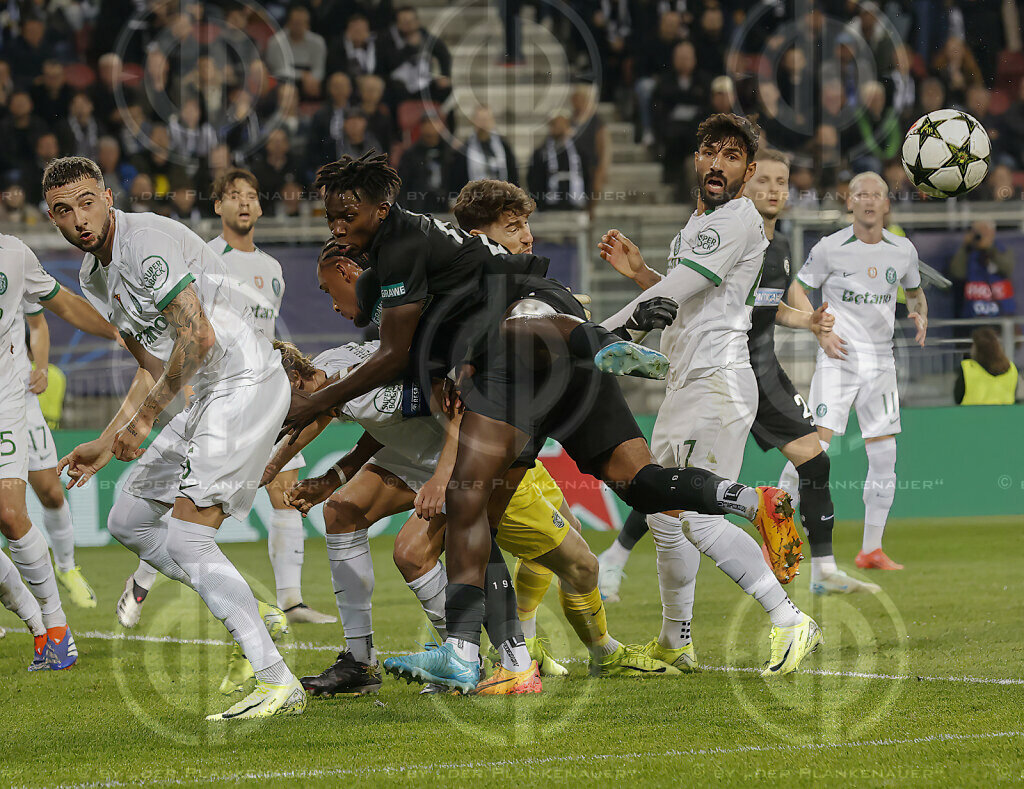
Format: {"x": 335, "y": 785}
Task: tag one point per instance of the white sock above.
{"x": 678, "y": 561}
{"x": 737, "y": 499}
{"x": 879, "y": 490}
{"x": 32, "y": 557}
{"x": 529, "y": 627}
{"x": 466, "y": 650}
{"x": 286, "y": 546}
{"x": 275, "y": 674}
{"x": 352, "y": 572}
{"x": 62, "y": 536}
{"x": 615, "y": 554}
{"x": 739, "y": 557}
{"x": 194, "y": 549}
{"x": 17, "y": 599}
{"x": 145, "y": 575}
{"x": 789, "y": 481}
{"x": 514, "y": 656}
{"x": 605, "y": 648}
{"x": 430, "y": 590}
{"x": 141, "y": 526}
{"x": 822, "y": 566}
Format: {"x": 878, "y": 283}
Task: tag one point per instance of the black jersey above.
{"x": 776, "y": 277}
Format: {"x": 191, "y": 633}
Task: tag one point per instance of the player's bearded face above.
{"x": 353, "y": 222}
{"x": 240, "y": 207}
{"x": 82, "y": 213}
{"x": 722, "y": 170}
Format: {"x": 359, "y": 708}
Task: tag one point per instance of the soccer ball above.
{"x": 946, "y": 153}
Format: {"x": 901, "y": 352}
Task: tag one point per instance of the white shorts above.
{"x": 705, "y": 422}
{"x": 42, "y": 453}
{"x": 413, "y": 475}
{"x": 295, "y": 463}
{"x": 215, "y": 452}
{"x": 14, "y": 443}
{"x": 868, "y": 385}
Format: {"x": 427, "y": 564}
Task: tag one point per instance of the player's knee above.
{"x": 410, "y": 557}
{"x": 340, "y": 516}
{"x": 815, "y": 472}
{"x": 584, "y": 572}
{"x": 51, "y": 496}
{"x": 643, "y": 492}
{"x": 14, "y": 521}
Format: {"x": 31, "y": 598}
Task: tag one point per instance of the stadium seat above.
{"x": 79, "y": 76}
{"x": 1000, "y": 101}
{"x": 409, "y": 114}
{"x": 1010, "y": 69}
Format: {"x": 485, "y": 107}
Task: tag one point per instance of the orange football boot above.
{"x": 509, "y": 683}
{"x": 782, "y": 542}
{"x": 876, "y": 560}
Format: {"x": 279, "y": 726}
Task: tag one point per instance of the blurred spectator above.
{"x": 378, "y": 115}
{"x": 900, "y": 89}
{"x": 29, "y": 50}
{"x": 140, "y": 196}
{"x": 356, "y": 52}
{"x": 183, "y": 203}
{"x": 79, "y": 133}
{"x": 135, "y": 130}
{"x": 654, "y": 58}
{"x": 6, "y": 82}
{"x": 117, "y": 174}
{"x": 999, "y": 185}
{"x": 591, "y": 136}
{"x": 419, "y": 64}
{"x": 47, "y": 148}
{"x": 900, "y": 188}
{"x": 326, "y": 132}
{"x": 17, "y": 209}
{"x": 104, "y": 93}
{"x": 207, "y": 84}
{"x": 218, "y": 163}
{"x": 678, "y": 106}
{"x": 357, "y": 138}
{"x": 192, "y": 138}
{"x": 160, "y": 99}
{"x": 803, "y": 192}
{"x": 710, "y": 40}
{"x": 426, "y": 170}
{"x": 298, "y": 54}
{"x": 288, "y": 118}
{"x": 51, "y": 95}
{"x": 879, "y": 135}
{"x": 19, "y": 131}
{"x": 293, "y": 202}
{"x": 557, "y": 177}
{"x": 932, "y": 97}
{"x": 275, "y": 165}
{"x": 485, "y": 154}
{"x": 155, "y": 161}
{"x": 986, "y": 376}
{"x": 238, "y": 47}
{"x": 868, "y": 25}
{"x": 984, "y": 22}
{"x": 978, "y": 101}
{"x": 770, "y": 117}
{"x": 379, "y": 12}
{"x": 984, "y": 270}
{"x": 1013, "y": 125}
{"x": 611, "y": 26}
{"x": 723, "y": 94}
{"x": 956, "y": 67}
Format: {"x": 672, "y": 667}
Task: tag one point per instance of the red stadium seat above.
{"x": 1010, "y": 69}
{"x": 409, "y": 114}
{"x": 1000, "y": 101}
{"x": 79, "y": 76}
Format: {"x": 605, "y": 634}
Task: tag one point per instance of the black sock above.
{"x": 588, "y": 338}
{"x": 500, "y": 617}
{"x": 816, "y": 509}
{"x": 659, "y": 489}
{"x": 464, "y": 612}
{"x": 633, "y": 529}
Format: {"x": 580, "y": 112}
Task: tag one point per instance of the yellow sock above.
{"x": 586, "y": 614}
{"x": 531, "y": 582}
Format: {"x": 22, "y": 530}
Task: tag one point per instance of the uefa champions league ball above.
{"x": 946, "y": 153}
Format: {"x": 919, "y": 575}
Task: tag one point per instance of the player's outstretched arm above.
{"x": 306, "y": 494}
{"x": 624, "y": 256}
{"x": 389, "y": 361}
{"x": 194, "y": 337}
{"x": 39, "y": 344}
{"x": 831, "y": 343}
{"x": 288, "y": 450}
{"x": 430, "y": 498}
{"x": 917, "y": 305}
{"x": 680, "y": 284}
{"x": 80, "y": 314}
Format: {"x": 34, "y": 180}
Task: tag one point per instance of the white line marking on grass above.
{"x": 309, "y": 647}
{"x": 337, "y": 772}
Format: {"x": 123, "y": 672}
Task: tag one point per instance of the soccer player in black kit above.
{"x": 783, "y": 420}
{"x": 443, "y": 301}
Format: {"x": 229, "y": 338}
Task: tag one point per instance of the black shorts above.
{"x": 571, "y": 401}
{"x": 782, "y": 415}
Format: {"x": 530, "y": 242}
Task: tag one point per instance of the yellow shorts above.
{"x": 532, "y": 524}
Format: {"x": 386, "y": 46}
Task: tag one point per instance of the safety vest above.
{"x": 51, "y": 402}
{"x": 981, "y": 388}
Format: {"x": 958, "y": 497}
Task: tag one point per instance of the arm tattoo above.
{"x": 193, "y": 340}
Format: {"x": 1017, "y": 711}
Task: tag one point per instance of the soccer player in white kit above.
{"x": 261, "y": 286}
{"x": 859, "y": 270}
{"x": 714, "y": 269}
{"x": 42, "y": 466}
{"x": 171, "y": 299}
{"x": 22, "y": 278}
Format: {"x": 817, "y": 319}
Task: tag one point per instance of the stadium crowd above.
{"x": 173, "y": 93}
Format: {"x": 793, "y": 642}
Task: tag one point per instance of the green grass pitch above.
{"x": 904, "y": 692}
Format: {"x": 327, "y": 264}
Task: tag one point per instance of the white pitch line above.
{"x": 338, "y": 772}
{"x": 306, "y": 646}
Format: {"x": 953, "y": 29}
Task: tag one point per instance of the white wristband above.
{"x": 340, "y": 473}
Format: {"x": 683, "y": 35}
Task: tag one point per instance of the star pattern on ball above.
{"x": 918, "y": 172}
{"x": 930, "y": 128}
{"x": 961, "y": 157}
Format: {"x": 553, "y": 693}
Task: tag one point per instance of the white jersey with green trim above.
{"x": 860, "y": 282}
{"x": 22, "y": 279}
{"x": 153, "y": 259}
{"x": 259, "y": 278}
{"x": 726, "y": 245}
{"x": 379, "y": 412}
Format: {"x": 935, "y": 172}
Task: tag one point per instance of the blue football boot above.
{"x": 629, "y": 358}
{"x": 438, "y": 665}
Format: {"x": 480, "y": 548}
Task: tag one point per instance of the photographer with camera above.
{"x": 985, "y": 268}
